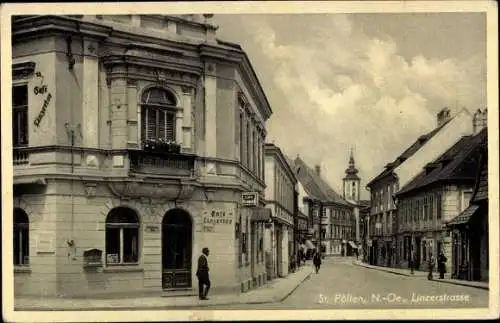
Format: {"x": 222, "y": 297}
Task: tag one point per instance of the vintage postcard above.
{"x": 249, "y": 160}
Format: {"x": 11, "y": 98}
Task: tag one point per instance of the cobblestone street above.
{"x": 342, "y": 285}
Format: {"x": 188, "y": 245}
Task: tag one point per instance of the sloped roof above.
{"x": 419, "y": 143}
{"x": 460, "y": 162}
{"x": 314, "y": 185}
{"x": 481, "y": 191}
{"x": 465, "y": 216}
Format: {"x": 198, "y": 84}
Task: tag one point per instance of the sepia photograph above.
{"x": 218, "y": 160}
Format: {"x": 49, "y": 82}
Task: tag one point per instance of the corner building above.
{"x": 134, "y": 138}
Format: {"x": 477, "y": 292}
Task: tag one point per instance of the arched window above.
{"x": 21, "y": 238}
{"x": 159, "y": 107}
{"x": 122, "y": 236}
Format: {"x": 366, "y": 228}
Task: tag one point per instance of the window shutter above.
{"x": 162, "y": 124}
{"x": 170, "y": 126}
{"x": 151, "y": 120}
{"x": 148, "y": 120}
{"x": 143, "y": 124}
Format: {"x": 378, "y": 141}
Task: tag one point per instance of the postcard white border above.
{"x": 295, "y": 7}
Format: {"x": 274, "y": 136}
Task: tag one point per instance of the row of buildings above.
{"x": 433, "y": 199}
{"x": 140, "y": 139}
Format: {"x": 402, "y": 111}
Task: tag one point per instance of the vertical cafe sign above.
{"x": 41, "y": 90}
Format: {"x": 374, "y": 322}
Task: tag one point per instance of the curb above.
{"x": 461, "y": 284}
{"x": 281, "y": 299}
{"x": 263, "y": 300}
{"x": 385, "y": 270}
{"x": 437, "y": 280}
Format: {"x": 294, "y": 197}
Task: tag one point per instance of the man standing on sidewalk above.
{"x": 202, "y": 274}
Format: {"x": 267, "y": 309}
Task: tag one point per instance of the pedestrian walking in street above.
{"x": 202, "y": 274}
{"x": 356, "y": 251}
{"x": 431, "y": 266}
{"x": 442, "y": 265}
{"x": 317, "y": 261}
{"x": 411, "y": 261}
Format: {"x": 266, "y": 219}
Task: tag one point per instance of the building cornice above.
{"x": 239, "y": 57}
{"x": 23, "y": 70}
{"x": 180, "y": 73}
{"x": 274, "y": 151}
{"x": 49, "y": 24}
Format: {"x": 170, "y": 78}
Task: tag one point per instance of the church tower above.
{"x": 351, "y": 181}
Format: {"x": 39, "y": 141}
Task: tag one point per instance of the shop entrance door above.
{"x": 176, "y": 250}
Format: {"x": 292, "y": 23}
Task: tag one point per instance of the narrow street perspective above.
{"x": 341, "y": 284}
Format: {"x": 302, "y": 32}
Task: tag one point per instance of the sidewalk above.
{"x": 417, "y": 273}
{"x": 275, "y": 291}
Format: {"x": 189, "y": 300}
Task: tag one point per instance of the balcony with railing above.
{"x": 20, "y": 156}
{"x": 161, "y": 163}
{"x": 28, "y": 161}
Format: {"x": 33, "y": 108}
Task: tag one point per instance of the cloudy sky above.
{"x": 370, "y": 81}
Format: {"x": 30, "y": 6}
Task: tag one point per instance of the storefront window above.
{"x": 122, "y": 236}
{"x": 21, "y": 238}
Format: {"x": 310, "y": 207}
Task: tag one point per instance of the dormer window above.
{"x": 159, "y": 108}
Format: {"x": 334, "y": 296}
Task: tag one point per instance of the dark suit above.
{"x": 202, "y": 274}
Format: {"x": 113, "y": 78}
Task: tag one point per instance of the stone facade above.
{"x": 280, "y": 194}
{"x": 86, "y": 82}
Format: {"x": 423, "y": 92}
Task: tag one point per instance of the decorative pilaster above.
{"x": 90, "y": 90}
{"x": 188, "y": 113}
{"x": 210, "y": 110}
{"x": 119, "y": 113}
{"x": 133, "y": 112}
{"x": 179, "y": 136}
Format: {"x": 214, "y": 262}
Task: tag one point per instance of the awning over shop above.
{"x": 309, "y": 244}
{"x": 465, "y": 216}
{"x": 353, "y": 245}
{"x": 261, "y": 214}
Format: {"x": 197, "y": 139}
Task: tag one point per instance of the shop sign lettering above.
{"x": 216, "y": 217}
{"x": 40, "y": 89}
{"x": 42, "y": 111}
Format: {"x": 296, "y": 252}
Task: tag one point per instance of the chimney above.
{"x": 317, "y": 168}
{"x": 479, "y": 120}
{"x": 443, "y": 116}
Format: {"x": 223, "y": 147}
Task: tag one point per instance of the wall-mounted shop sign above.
{"x": 42, "y": 111}
{"x": 45, "y": 243}
{"x": 250, "y": 198}
{"x": 152, "y": 228}
{"x": 216, "y": 218}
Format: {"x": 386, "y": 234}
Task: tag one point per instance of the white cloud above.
{"x": 352, "y": 90}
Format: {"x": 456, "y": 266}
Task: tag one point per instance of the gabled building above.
{"x": 439, "y": 193}
{"x": 301, "y": 224}
{"x": 382, "y": 221}
{"x": 330, "y": 216}
{"x": 469, "y": 245}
